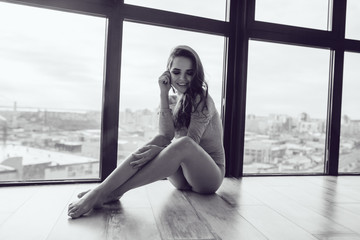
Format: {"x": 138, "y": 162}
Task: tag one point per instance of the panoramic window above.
{"x": 145, "y": 52}
{"x": 285, "y": 109}
{"x": 352, "y": 19}
{"x": 305, "y": 13}
{"x": 215, "y": 9}
{"x": 50, "y": 93}
{"x": 349, "y": 157}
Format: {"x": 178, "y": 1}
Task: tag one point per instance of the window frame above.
{"x": 116, "y": 12}
{"x": 332, "y": 39}
{"x": 240, "y": 28}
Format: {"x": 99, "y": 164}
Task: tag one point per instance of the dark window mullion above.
{"x": 352, "y": 45}
{"x": 334, "y": 114}
{"x": 101, "y": 8}
{"x": 291, "y": 35}
{"x": 174, "y": 20}
{"x": 338, "y": 30}
{"x": 234, "y": 125}
{"x": 110, "y": 113}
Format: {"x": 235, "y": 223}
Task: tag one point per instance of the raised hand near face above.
{"x": 165, "y": 82}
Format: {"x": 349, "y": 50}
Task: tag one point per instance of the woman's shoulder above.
{"x": 206, "y": 105}
{"x": 211, "y": 105}
{"x": 210, "y": 101}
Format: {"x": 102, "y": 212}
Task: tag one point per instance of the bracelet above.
{"x": 164, "y": 111}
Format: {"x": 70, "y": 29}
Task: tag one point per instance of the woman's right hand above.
{"x": 165, "y": 82}
{"x": 144, "y": 155}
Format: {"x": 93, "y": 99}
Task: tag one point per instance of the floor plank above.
{"x": 341, "y": 236}
{"x": 346, "y": 218}
{"x": 90, "y": 227}
{"x": 334, "y": 190}
{"x": 265, "y": 219}
{"x": 175, "y": 217}
{"x": 132, "y": 218}
{"x": 294, "y": 211}
{"x": 4, "y": 217}
{"x": 353, "y": 207}
{"x": 325, "y": 205}
{"x": 311, "y": 207}
{"x": 132, "y": 224}
{"x": 223, "y": 219}
{"x": 232, "y": 192}
{"x": 14, "y": 198}
{"x": 37, "y": 216}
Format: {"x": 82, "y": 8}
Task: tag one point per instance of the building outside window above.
{"x": 285, "y": 127}
{"x": 50, "y": 93}
{"x": 349, "y": 160}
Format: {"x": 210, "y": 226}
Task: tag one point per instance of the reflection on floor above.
{"x": 309, "y": 207}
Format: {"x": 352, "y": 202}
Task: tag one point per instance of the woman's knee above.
{"x": 185, "y": 142}
{"x": 179, "y": 181}
{"x": 183, "y": 146}
{"x": 160, "y": 140}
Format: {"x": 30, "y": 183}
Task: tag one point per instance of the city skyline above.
{"x": 40, "y": 71}
{"x": 274, "y": 144}
{"x": 153, "y": 110}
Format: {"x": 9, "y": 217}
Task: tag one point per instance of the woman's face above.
{"x": 182, "y": 72}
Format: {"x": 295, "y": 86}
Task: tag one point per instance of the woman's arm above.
{"x": 200, "y": 120}
{"x": 166, "y": 123}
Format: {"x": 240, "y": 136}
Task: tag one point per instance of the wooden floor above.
{"x": 290, "y": 208}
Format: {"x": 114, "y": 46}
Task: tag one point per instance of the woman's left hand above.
{"x": 144, "y": 155}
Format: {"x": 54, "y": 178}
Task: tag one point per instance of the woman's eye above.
{"x": 190, "y": 73}
{"x": 175, "y": 72}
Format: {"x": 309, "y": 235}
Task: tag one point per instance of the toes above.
{"x": 76, "y": 210}
{"x": 71, "y": 206}
{"x": 76, "y": 213}
{"x": 72, "y": 211}
{"x": 80, "y": 195}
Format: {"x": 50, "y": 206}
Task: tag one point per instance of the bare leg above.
{"x": 120, "y": 175}
{"x": 199, "y": 169}
{"x": 179, "y": 181}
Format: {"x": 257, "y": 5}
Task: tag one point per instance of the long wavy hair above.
{"x": 197, "y": 92}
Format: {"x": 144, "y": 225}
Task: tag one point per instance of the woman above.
{"x": 194, "y": 160}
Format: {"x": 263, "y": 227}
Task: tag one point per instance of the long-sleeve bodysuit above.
{"x": 205, "y": 128}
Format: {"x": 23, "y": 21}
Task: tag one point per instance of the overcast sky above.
{"x": 50, "y": 59}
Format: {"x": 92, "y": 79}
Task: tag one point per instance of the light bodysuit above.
{"x": 205, "y": 128}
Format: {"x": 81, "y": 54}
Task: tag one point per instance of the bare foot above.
{"x": 84, "y": 205}
{"x": 80, "y": 195}
{"x": 97, "y": 206}
{"x": 109, "y": 199}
